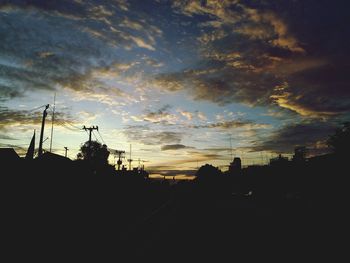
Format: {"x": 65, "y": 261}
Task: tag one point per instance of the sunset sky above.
{"x": 182, "y": 81}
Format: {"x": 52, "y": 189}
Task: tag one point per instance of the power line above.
{"x": 52, "y": 120}
{"x": 101, "y": 136}
{"x": 37, "y": 108}
{"x": 64, "y": 124}
{"x": 76, "y": 127}
{"x": 95, "y": 136}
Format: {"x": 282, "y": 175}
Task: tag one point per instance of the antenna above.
{"x": 52, "y": 120}
{"x": 130, "y": 160}
{"x": 231, "y": 147}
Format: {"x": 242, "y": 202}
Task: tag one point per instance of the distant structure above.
{"x": 299, "y": 154}
{"x": 66, "y": 150}
{"x": 235, "y": 165}
{"x": 8, "y": 155}
{"x": 279, "y": 161}
{"x": 53, "y": 158}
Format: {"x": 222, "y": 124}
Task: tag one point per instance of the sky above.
{"x": 184, "y": 83}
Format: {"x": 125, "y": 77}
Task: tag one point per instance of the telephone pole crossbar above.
{"x": 90, "y": 129}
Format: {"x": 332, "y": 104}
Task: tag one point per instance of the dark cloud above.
{"x": 217, "y": 149}
{"x": 6, "y": 137}
{"x": 221, "y": 86}
{"x": 7, "y": 93}
{"x": 253, "y": 48}
{"x": 327, "y": 89}
{"x": 285, "y": 139}
{"x": 27, "y": 36}
{"x": 234, "y": 124}
{"x": 174, "y": 147}
{"x": 9, "y": 117}
{"x": 12, "y": 119}
{"x": 47, "y": 45}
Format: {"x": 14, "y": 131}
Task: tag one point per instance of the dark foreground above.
{"x": 164, "y": 223}
{"x": 78, "y": 217}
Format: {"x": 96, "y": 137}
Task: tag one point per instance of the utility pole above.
{"x": 231, "y": 147}
{"x": 52, "y": 120}
{"x": 130, "y": 160}
{"x": 90, "y": 129}
{"x": 119, "y": 162}
{"x": 65, "y": 155}
{"x": 40, "y": 151}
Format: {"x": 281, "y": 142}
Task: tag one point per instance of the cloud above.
{"x": 86, "y": 36}
{"x": 206, "y": 38}
{"x": 285, "y": 139}
{"x": 234, "y": 124}
{"x": 201, "y": 116}
{"x": 6, "y": 137}
{"x": 222, "y": 86}
{"x": 187, "y": 114}
{"x": 218, "y": 9}
{"x": 144, "y": 135}
{"x": 167, "y": 171}
{"x": 194, "y": 158}
{"x": 282, "y": 39}
{"x": 23, "y": 120}
{"x": 174, "y": 147}
{"x": 142, "y": 43}
{"x": 254, "y": 23}
{"x": 248, "y": 49}
{"x": 162, "y": 116}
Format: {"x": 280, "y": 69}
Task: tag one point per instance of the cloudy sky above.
{"x": 183, "y": 81}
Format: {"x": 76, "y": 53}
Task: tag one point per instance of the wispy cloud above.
{"x": 234, "y": 124}
{"x": 144, "y": 135}
{"x": 162, "y": 115}
{"x": 186, "y": 114}
{"x": 24, "y": 120}
{"x": 174, "y": 147}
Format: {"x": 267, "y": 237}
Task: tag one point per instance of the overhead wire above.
{"x": 37, "y": 108}
{"x": 65, "y": 125}
{"x": 101, "y": 136}
{"x": 95, "y": 136}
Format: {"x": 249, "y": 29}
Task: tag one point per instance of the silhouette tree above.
{"x": 340, "y": 140}
{"x": 208, "y": 171}
{"x": 94, "y": 152}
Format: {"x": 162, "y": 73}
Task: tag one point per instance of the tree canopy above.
{"x": 94, "y": 152}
